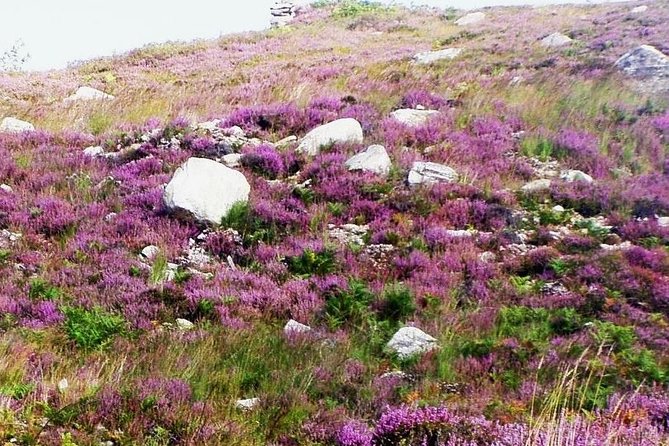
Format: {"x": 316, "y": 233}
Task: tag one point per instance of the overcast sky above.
{"x": 55, "y": 32}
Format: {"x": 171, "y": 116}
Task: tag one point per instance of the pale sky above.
{"x": 55, "y": 32}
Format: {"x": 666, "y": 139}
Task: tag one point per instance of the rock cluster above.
{"x": 282, "y": 13}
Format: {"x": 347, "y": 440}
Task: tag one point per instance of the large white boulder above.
{"x": 430, "y": 173}
{"x": 413, "y": 117}
{"x": 206, "y": 189}
{"x": 470, "y": 19}
{"x": 13, "y": 125}
{"x": 410, "y": 341}
{"x": 555, "y": 40}
{"x": 429, "y": 57}
{"x": 375, "y": 159}
{"x": 644, "y": 61}
{"x": 346, "y": 130}
{"x": 89, "y": 94}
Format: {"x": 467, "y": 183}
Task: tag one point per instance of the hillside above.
{"x": 375, "y": 226}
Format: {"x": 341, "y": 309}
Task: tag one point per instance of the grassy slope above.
{"x": 307, "y": 385}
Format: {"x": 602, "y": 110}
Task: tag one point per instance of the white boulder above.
{"x": 413, "y": 117}
{"x": 639, "y": 9}
{"x": 430, "y": 173}
{"x": 13, "y": 125}
{"x": 470, "y": 19}
{"x": 429, "y": 57}
{"x": 89, "y": 94}
{"x": 292, "y": 327}
{"x": 410, "y": 341}
{"x": 375, "y": 159}
{"x": 555, "y": 40}
{"x": 644, "y": 61}
{"x": 346, "y": 130}
{"x": 206, "y": 189}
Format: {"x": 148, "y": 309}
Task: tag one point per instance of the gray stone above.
{"x": 430, "y": 173}
{"x": 663, "y": 222}
{"x": 233, "y": 160}
{"x": 644, "y": 61}
{"x": 206, "y": 189}
{"x": 639, "y": 9}
{"x": 94, "y": 151}
{"x": 555, "y": 40}
{"x": 375, "y": 159}
{"x": 429, "y": 57}
{"x": 470, "y": 19}
{"x": 410, "y": 341}
{"x": 13, "y": 125}
{"x": 413, "y": 117}
{"x": 89, "y": 94}
{"x": 536, "y": 186}
{"x": 345, "y": 131}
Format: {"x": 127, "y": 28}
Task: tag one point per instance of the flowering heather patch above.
{"x": 536, "y": 315}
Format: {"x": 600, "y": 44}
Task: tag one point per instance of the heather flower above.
{"x": 264, "y": 160}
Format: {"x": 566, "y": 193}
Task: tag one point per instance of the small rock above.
{"x": 94, "y": 151}
{"x": 6, "y": 188}
{"x": 89, "y": 94}
{"x": 233, "y": 160}
{"x": 536, "y": 186}
{"x": 413, "y": 117}
{"x": 557, "y": 209}
{"x": 571, "y": 176}
{"x": 63, "y": 385}
{"x": 286, "y": 141}
{"x": 639, "y": 9}
{"x": 292, "y": 326}
{"x": 247, "y": 404}
{"x": 345, "y": 131}
{"x": 410, "y": 341}
{"x": 430, "y": 173}
{"x": 470, "y": 19}
{"x": 375, "y": 159}
{"x": 487, "y": 257}
{"x": 184, "y": 324}
{"x": 206, "y": 189}
{"x": 234, "y": 131}
{"x": 13, "y": 125}
{"x": 348, "y": 234}
{"x": 624, "y": 246}
{"x": 149, "y": 253}
{"x": 429, "y": 57}
{"x": 663, "y": 222}
{"x": 555, "y": 40}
